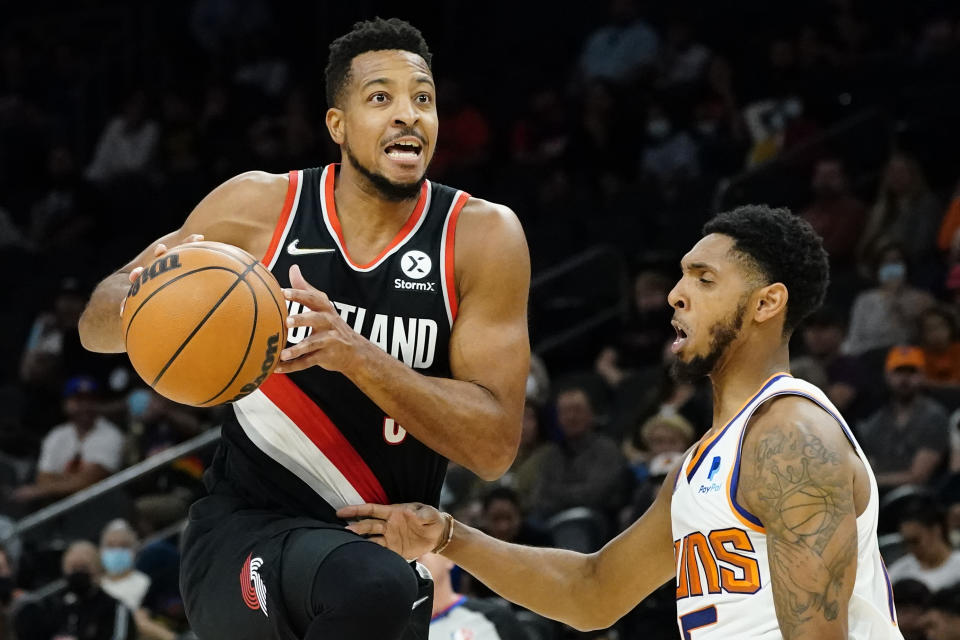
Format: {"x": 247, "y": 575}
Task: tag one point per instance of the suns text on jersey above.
{"x": 410, "y": 340}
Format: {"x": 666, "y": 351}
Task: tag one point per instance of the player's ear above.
{"x": 770, "y": 301}
{"x": 335, "y": 124}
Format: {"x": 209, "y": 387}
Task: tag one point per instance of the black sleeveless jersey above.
{"x": 310, "y": 442}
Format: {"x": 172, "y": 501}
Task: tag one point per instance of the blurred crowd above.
{"x": 627, "y": 127}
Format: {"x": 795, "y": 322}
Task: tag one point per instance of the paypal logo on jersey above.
{"x": 714, "y": 467}
{"x": 713, "y": 486}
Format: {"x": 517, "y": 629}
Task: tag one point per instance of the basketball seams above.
{"x": 280, "y": 308}
{"x": 240, "y": 278}
{"x": 239, "y": 265}
{"x": 143, "y": 304}
{"x": 246, "y": 353}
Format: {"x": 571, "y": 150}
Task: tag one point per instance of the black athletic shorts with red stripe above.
{"x": 251, "y": 574}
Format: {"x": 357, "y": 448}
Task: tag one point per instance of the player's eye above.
{"x": 705, "y": 281}
{"x": 424, "y": 98}
{"x": 379, "y": 97}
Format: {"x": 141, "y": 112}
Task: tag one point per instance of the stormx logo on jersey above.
{"x": 415, "y": 265}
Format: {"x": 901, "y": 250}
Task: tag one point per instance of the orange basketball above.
{"x": 204, "y": 323}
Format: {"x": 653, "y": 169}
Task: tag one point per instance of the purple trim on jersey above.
{"x": 735, "y": 480}
{"x": 886, "y": 578}
{"x": 703, "y": 454}
{"x": 443, "y": 613}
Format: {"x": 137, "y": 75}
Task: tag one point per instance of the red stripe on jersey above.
{"x": 282, "y": 220}
{"x": 405, "y": 230}
{"x": 317, "y": 426}
{"x": 448, "y": 257}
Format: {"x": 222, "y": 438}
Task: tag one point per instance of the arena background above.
{"x": 613, "y": 130}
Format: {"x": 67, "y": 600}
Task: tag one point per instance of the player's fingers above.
{"x": 304, "y": 347}
{"x": 318, "y": 320}
{"x": 135, "y": 274}
{"x": 159, "y": 250}
{"x": 368, "y": 510}
{"x": 368, "y": 527}
{"x": 310, "y": 298}
{"x": 195, "y": 237}
{"x": 297, "y": 281}
{"x": 292, "y": 366}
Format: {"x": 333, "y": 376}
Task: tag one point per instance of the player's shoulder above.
{"x": 482, "y": 219}
{"x": 257, "y": 184}
{"x": 249, "y": 198}
{"x": 795, "y": 421}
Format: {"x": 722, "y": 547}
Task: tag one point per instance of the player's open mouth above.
{"x": 681, "y": 338}
{"x": 404, "y": 150}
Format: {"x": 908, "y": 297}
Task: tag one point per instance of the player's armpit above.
{"x": 797, "y": 478}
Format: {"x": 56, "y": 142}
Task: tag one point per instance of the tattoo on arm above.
{"x": 803, "y": 493}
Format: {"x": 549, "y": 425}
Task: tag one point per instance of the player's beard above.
{"x": 388, "y": 190}
{"x": 722, "y": 335}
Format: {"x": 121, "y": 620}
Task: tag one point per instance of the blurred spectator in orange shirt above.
{"x": 938, "y": 337}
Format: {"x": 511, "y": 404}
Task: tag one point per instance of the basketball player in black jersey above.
{"x": 407, "y": 346}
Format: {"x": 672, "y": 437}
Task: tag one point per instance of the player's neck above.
{"x": 739, "y": 376}
{"x": 361, "y": 206}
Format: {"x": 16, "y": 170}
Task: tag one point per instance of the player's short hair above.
{"x": 370, "y": 35}
{"x": 779, "y": 247}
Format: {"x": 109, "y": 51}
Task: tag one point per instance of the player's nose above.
{"x": 676, "y": 297}
{"x": 405, "y": 113}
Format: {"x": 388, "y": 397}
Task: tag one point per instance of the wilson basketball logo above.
{"x": 251, "y": 585}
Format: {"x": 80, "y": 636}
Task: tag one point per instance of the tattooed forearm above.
{"x": 802, "y": 491}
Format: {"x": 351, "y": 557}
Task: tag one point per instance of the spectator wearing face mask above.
{"x": 118, "y": 544}
{"x": 83, "y": 611}
{"x": 906, "y": 211}
{"x": 887, "y": 314}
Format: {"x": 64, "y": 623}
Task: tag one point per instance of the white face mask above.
{"x": 891, "y": 272}
{"x": 658, "y": 128}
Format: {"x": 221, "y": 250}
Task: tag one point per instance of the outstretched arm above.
{"x": 585, "y": 591}
{"x": 798, "y": 479}
{"x": 240, "y": 212}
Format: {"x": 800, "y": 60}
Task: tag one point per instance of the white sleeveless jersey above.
{"x": 723, "y": 574}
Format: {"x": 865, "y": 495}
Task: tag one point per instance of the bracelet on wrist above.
{"x": 447, "y": 535}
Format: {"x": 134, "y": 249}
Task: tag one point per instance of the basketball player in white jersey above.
{"x": 768, "y": 526}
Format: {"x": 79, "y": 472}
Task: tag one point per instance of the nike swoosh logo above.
{"x": 419, "y": 602}
{"x": 294, "y": 250}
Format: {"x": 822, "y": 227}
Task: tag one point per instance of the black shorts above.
{"x": 237, "y": 562}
